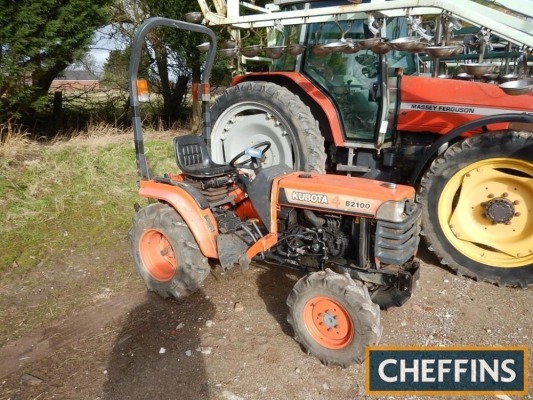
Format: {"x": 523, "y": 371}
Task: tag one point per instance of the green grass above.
{"x": 70, "y": 193}
{"x": 65, "y": 210}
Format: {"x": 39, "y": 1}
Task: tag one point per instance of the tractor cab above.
{"x": 346, "y": 61}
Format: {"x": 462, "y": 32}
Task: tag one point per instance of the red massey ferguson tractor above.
{"x": 356, "y": 237}
{"x": 435, "y": 94}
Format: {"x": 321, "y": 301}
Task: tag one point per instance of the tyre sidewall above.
{"x": 354, "y": 298}
{"x": 354, "y": 351}
{"x": 188, "y": 276}
{"x": 491, "y": 145}
{"x": 284, "y": 102}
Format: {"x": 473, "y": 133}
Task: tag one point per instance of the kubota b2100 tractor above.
{"x": 357, "y": 238}
{"x": 432, "y": 93}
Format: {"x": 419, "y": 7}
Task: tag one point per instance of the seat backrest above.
{"x": 191, "y": 153}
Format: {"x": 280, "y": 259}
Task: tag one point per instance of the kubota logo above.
{"x": 310, "y": 197}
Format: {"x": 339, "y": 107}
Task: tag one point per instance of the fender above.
{"x": 200, "y": 221}
{"x": 469, "y": 126}
{"x": 317, "y": 101}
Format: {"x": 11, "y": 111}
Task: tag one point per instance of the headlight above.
{"x": 393, "y": 211}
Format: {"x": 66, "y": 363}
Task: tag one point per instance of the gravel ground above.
{"x": 231, "y": 340}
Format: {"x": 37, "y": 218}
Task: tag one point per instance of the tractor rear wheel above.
{"x": 333, "y": 317}
{"x": 252, "y": 112}
{"x": 165, "y": 252}
{"x": 477, "y": 200}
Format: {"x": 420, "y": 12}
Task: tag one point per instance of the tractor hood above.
{"x": 439, "y": 105}
{"x": 338, "y": 193}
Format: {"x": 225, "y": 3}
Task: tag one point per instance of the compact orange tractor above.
{"x": 356, "y": 238}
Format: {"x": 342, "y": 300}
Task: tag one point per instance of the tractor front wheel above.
{"x": 333, "y": 317}
{"x": 477, "y": 200}
{"x": 165, "y": 252}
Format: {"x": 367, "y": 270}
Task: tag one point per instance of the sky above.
{"x": 102, "y": 45}
{"x": 100, "y": 55}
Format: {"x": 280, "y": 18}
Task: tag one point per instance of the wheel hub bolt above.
{"x": 500, "y": 211}
{"x": 329, "y": 320}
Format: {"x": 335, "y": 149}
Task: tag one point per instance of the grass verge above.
{"x": 65, "y": 209}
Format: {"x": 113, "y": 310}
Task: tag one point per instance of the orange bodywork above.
{"x": 439, "y": 105}
{"x": 245, "y": 210}
{"x": 202, "y": 223}
{"x": 337, "y": 193}
{"x": 427, "y": 104}
{"x": 263, "y": 244}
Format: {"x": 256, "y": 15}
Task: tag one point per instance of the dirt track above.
{"x": 136, "y": 346}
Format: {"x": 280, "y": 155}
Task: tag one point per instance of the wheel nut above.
{"x": 517, "y": 214}
{"x": 490, "y": 196}
{"x": 516, "y": 202}
{"x": 505, "y": 194}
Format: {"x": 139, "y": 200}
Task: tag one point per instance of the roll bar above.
{"x": 203, "y": 89}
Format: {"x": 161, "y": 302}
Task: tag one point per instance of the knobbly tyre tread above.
{"x": 310, "y": 141}
{"x": 192, "y": 268}
{"x": 521, "y": 143}
{"x": 355, "y": 296}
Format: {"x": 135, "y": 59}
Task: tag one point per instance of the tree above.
{"x": 38, "y": 40}
{"x": 115, "y": 72}
{"x": 173, "y": 57}
{"x": 87, "y": 62}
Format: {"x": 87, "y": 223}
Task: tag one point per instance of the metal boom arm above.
{"x": 507, "y": 26}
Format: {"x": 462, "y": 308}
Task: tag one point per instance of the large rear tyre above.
{"x": 333, "y": 317}
{"x": 477, "y": 200}
{"x": 253, "y": 112}
{"x": 165, "y": 252}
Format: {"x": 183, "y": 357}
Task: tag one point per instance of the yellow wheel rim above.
{"x": 486, "y": 212}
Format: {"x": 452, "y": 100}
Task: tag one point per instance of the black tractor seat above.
{"x": 193, "y": 158}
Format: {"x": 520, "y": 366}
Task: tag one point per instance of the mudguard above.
{"x": 308, "y": 92}
{"x": 200, "y": 220}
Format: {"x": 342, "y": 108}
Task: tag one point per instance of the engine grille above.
{"x": 397, "y": 242}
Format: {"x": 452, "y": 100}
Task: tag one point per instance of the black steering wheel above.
{"x": 253, "y": 161}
